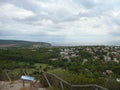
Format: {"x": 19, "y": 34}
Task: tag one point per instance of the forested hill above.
{"x": 20, "y": 43}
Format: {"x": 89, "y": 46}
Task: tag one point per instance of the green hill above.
{"x": 21, "y": 43}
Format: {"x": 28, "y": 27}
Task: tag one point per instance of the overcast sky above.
{"x": 61, "y": 21}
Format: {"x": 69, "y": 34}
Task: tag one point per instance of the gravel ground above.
{"x": 16, "y": 85}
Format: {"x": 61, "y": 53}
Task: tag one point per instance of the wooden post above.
{"x": 24, "y": 72}
{"x": 23, "y": 83}
{"x": 71, "y": 87}
{"x": 95, "y": 88}
{"x": 7, "y": 75}
{"x": 30, "y": 85}
{"x": 47, "y": 80}
{"x": 61, "y": 84}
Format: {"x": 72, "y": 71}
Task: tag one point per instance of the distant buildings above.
{"x": 105, "y": 53}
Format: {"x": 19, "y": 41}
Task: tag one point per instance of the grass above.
{"x": 16, "y": 71}
{"x": 56, "y": 70}
{"x": 37, "y": 65}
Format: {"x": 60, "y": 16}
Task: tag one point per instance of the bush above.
{"x": 112, "y": 84}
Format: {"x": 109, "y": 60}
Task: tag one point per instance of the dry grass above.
{"x": 25, "y": 88}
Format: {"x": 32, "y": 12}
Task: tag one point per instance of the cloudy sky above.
{"x": 61, "y": 21}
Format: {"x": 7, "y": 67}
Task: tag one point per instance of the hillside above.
{"x": 78, "y": 65}
{"x": 20, "y": 43}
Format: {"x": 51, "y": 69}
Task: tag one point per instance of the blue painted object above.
{"x": 29, "y": 78}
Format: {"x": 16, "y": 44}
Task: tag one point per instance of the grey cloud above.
{"x": 20, "y": 3}
{"x": 61, "y": 18}
{"x": 115, "y": 34}
{"x": 57, "y": 16}
{"x": 86, "y": 3}
{"x": 31, "y": 20}
{"x": 114, "y": 42}
{"x": 6, "y": 32}
{"x": 116, "y": 21}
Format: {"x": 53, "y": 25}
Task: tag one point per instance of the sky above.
{"x": 71, "y": 22}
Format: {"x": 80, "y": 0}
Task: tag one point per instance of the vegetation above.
{"x": 77, "y": 65}
{"x": 81, "y": 79}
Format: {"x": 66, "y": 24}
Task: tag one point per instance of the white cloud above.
{"x": 56, "y": 5}
{"x": 11, "y": 11}
{"x": 62, "y": 20}
{"x": 47, "y": 22}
